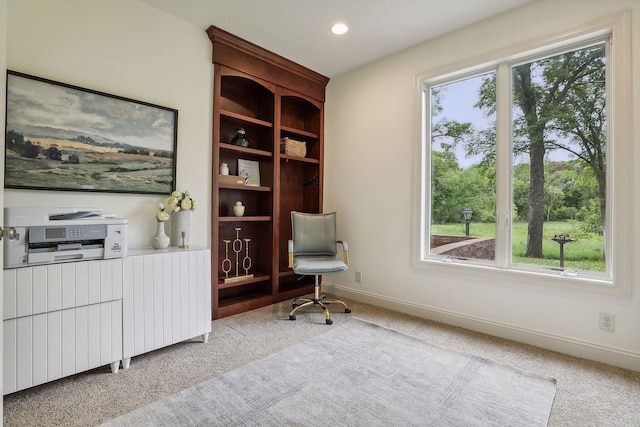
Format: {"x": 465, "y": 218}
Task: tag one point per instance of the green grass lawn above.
{"x": 585, "y": 253}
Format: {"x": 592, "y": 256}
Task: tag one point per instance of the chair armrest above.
{"x": 345, "y": 250}
{"x": 290, "y": 250}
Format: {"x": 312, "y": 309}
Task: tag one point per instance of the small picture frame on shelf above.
{"x": 250, "y": 171}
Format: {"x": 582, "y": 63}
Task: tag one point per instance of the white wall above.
{"x": 371, "y": 180}
{"x": 130, "y": 49}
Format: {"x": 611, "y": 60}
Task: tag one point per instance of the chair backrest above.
{"x": 314, "y": 234}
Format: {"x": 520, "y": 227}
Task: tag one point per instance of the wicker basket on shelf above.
{"x": 292, "y": 147}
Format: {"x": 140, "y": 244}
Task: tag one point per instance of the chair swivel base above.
{"x": 304, "y": 302}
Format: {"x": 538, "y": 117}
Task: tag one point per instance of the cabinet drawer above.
{"x": 49, "y": 346}
{"x": 44, "y": 289}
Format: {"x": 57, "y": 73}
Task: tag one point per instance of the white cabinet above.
{"x": 167, "y": 299}
{"x": 61, "y": 319}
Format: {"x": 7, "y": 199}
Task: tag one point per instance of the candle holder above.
{"x": 246, "y": 261}
{"x": 226, "y": 262}
{"x": 184, "y": 237}
{"x": 237, "y": 246}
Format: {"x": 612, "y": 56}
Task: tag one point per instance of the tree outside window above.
{"x": 557, "y": 166}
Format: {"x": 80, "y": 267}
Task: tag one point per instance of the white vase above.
{"x": 180, "y": 222}
{"x": 160, "y": 240}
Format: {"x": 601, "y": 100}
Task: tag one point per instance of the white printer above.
{"x": 52, "y": 235}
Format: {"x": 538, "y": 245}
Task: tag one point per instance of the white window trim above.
{"x": 619, "y": 151}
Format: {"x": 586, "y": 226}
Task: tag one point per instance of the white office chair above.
{"x": 313, "y": 250}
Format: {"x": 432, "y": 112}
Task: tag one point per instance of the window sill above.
{"x": 522, "y": 276}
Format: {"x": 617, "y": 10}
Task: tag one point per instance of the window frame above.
{"x": 617, "y": 279}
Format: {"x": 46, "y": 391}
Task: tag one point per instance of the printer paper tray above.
{"x": 64, "y": 256}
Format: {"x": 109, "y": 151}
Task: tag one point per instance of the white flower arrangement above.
{"x": 162, "y": 214}
{"x": 181, "y": 201}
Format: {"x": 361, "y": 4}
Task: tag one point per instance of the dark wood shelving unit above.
{"x": 271, "y": 98}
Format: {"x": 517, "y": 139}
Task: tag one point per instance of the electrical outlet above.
{"x": 607, "y": 322}
{"x": 358, "y": 276}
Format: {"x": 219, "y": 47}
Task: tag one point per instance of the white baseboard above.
{"x": 578, "y": 348}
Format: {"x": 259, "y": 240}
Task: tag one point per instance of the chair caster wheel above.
{"x": 329, "y": 322}
{"x": 347, "y": 310}
{"x": 292, "y": 317}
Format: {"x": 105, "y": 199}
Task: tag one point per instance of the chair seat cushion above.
{"x": 317, "y": 265}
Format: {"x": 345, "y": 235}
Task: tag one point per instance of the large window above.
{"x": 518, "y": 162}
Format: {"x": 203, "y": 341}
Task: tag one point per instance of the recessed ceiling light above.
{"x": 339, "y": 29}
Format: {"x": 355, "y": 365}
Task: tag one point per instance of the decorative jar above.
{"x": 224, "y": 168}
{"x": 238, "y": 209}
{"x": 240, "y": 139}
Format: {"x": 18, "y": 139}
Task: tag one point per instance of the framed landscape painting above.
{"x": 63, "y": 137}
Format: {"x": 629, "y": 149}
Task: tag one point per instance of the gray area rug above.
{"x": 359, "y": 374}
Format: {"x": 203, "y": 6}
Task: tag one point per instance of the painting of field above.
{"x": 61, "y": 137}
{"x": 97, "y": 168}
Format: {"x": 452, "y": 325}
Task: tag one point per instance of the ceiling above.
{"x": 300, "y": 29}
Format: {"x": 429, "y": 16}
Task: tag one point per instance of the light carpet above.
{"x": 359, "y": 374}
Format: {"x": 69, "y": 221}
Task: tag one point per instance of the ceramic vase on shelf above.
{"x": 160, "y": 240}
{"x": 180, "y": 222}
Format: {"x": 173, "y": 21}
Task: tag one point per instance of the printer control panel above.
{"x": 65, "y": 233}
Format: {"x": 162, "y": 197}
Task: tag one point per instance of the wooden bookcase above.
{"x": 271, "y": 98}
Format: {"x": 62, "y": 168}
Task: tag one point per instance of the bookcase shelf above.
{"x": 297, "y": 132}
{"x": 299, "y": 159}
{"x": 244, "y": 218}
{"x": 245, "y": 150}
{"x": 270, "y": 98}
{"x": 257, "y": 277}
{"x": 242, "y": 119}
{"x": 242, "y": 187}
